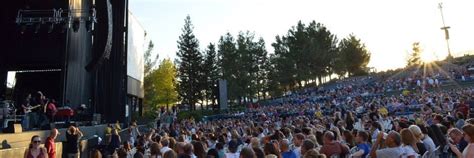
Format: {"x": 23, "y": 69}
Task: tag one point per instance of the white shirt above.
{"x": 297, "y": 151}
{"x": 232, "y": 155}
{"x": 429, "y": 144}
{"x": 164, "y": 149}
{"x": 408, "y": 151}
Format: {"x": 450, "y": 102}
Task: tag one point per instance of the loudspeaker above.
{"x": 223, "y": 95}
{"x": 13, "y": 128}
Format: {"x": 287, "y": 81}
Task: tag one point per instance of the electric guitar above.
{"x": 28, "y": 109}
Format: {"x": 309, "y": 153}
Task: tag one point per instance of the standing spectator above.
{"x": 247, "y": 153}
{"x": 306, "y": 146}
{"x": 165, "y": 145}
{"x": 199, "y": 149}
{"x": 73, "y": 135}
{"x": 285, "y": 149}
{"x": 170, "y": 154}
{"x": 114, "y": 141}
{"x": 155, "y": 150}
{"x": 271, "y": 149}
{"x": 50, "y": 145}
{"x": 233, "y": 147}
{"x": 35, "y": 150}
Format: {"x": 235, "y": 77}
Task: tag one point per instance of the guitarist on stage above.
{"x": 38, "y": 109}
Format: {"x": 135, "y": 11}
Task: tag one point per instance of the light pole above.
{"x": 446, "y": 32}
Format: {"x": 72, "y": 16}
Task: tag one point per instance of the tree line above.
{"x": 306, "y": 54}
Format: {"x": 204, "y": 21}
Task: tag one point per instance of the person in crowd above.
{"x": 363, "y": 147}
{"x": 170, "y": 154}
{"x": 122, "y": 153}
{"x": 306, "y": 146}
{"x": 297, "y": 142}
{"x": 199, "y": 149}
{"x": 50, "y": 143}
{"x": 165, "y": 145}
{"x": 259, "y": 152}
{"x": 233, "y": 147}
{"x": 409, "y": 147}
{"x": 220, "y": 149}
{"x": 114, "y": 141}
{"x": 95, "y": 154}
{"x": 422, "y": 139}
{"x": 313, "y": 153}
{"x": 286, "y": 152}
{"x": 155, "y": 150}
{"x": 247, "y": 153}
{"x": 271, "y": 149}
{"x": 393, "y": 143}
{"x": 51, "y": 110}
{"x": 468, "y": 152}
{"x": 348, "y": 138}
{"x": 212, "y": 153}
{"x": 332, "y": 147}
{"x": 73, "y": 135}
{"x": 456, "y": 137}
{"x": 35, "y": 150}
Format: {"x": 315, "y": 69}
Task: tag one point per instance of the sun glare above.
{"x": 428, "y": 57}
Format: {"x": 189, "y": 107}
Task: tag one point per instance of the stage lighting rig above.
{"x": 66, "y": 19}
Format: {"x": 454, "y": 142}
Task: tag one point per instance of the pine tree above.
{"x": 211, "y": 74}
{"x": 189, "y": 65}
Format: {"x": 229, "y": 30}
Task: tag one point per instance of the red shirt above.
{"x": 50, "y": 147}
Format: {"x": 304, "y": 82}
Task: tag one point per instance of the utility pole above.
{"x": 446, "y": 32}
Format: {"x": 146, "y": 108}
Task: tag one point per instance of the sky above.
{"x": 387, "y": 28}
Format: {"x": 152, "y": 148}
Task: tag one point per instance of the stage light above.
{"x": 37, "y": 27}
{"x": 51, "y": 28}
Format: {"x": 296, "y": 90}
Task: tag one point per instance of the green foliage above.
{"x": 242, "y": 63}
{"x": 149, "y": 87}
{"x": 305, "y": 55}
{"x": 354, "y": 55}
{"x": 415, "y": 56}
{"x": 189, "y": 66}
{"x": 165, "y": 83}
{"x": 210, "y": 70}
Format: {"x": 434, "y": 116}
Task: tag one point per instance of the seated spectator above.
{"x": 332, "y": 147}
{"x": 422, "y": 139}
{"x": 457, "y": 138}
{"x": 393, "y": 142}
{"x": 297, "y": 142}
{"x": 409, "y": 144}
{"x": 363, "y": 147}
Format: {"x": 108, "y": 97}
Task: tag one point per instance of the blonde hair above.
{"x": 416, "y": 132}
